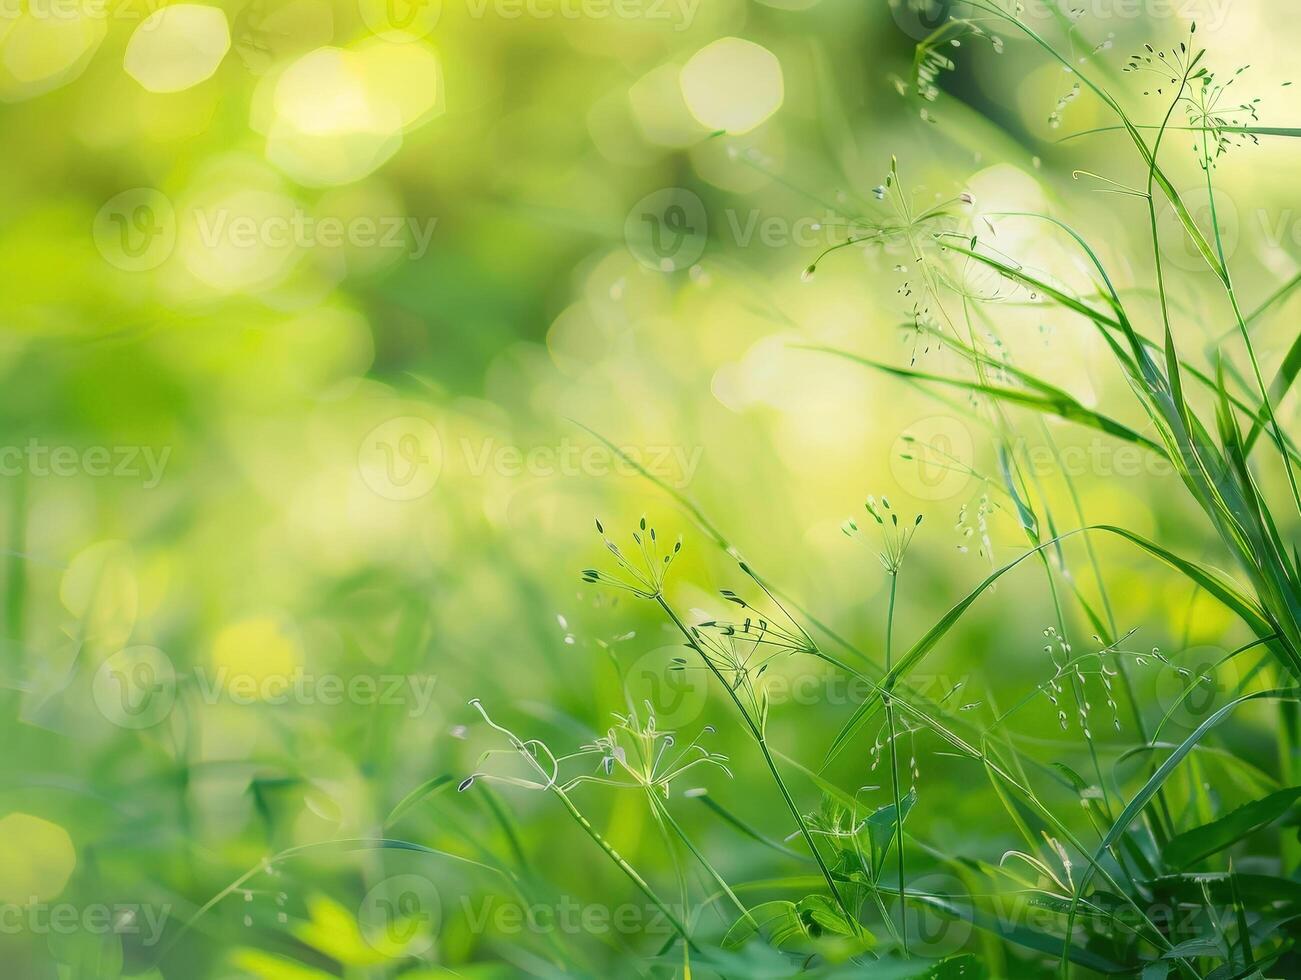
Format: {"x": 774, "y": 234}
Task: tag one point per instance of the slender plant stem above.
{"x": 664, "y": 813}
{"x": 758, "y": 735}
{"x": 894, "y": 767}
{"x": 624, "y": 866}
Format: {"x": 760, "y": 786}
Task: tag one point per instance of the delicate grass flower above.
{"x": 644, "y": 574}
{"x": 896, "y": 535}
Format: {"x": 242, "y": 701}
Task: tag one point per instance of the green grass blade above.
{"x": 1023, "y": 936}
{"x": 1158, "y": 778}
{"x": 430, "y": 787}
{"x": 1049, "y": 401}
{"x": 1287, "y": 131}
{"x": 1214, "y": 584}
{"x": 1278, "y": 390}
{"x": 1201, "y": 842}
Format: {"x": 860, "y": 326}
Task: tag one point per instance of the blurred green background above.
{"x": 304, "y": 304}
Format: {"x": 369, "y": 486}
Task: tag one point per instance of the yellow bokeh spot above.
{"x": 732, "y": 84}
{"x": 406, "y": 77}
{"x": 332, "y": 124}
{"x": 36, "y": 859}
{"x": 100, "y": 587}
{"x": 337, "y": 114}
{"x": 324, "y": 93}
{"x": 660, "y": 112}
{"x": 38, "y": 54}
{"x": 239, "y": 239}
{"x": 259, "y": 648}
{"x": 177, "y": 47}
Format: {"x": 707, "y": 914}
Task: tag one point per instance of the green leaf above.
{"x": 1186, "y": 219}
{"x": 1289, "y": 131}
{"x": 1197, "y": 946}
{"x": 428, "y": 788}
{"x": 923, "y": 646}
{"x": 1253, "y": 888}
{"x": 1215, "y": 584}
{"x": 963, "y": 966}
{"x": 1194, "y": 845}
{"x": 1043, "y": 397}
{"x": 770, "y": 916}
{"x": 791, "y": 925}
{"x": 881, "y": 826}
{"x": 820, "y": 916}
{"x": 1158, "y": 778}
{"x": 748, "y": 830}
{"x": 1244, "y": 929}
{"x": 1020, "y": 935}
{"x": 1279, "y": 388}
{"x": 1023, "y": 511}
